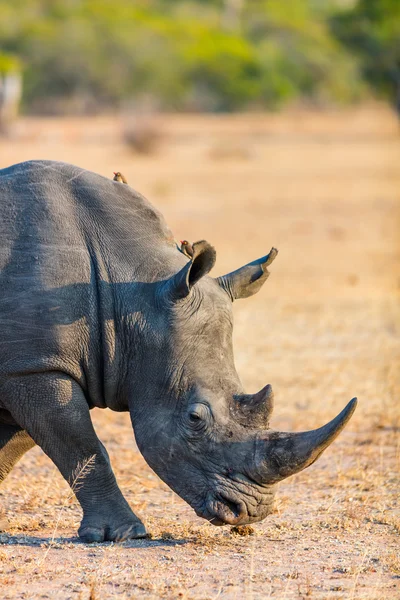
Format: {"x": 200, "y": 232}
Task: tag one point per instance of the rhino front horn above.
{"x": 280, "y": 455}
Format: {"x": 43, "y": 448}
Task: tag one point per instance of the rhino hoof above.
{"x": 129, "y": 531}
{"x": 90, "y": 535}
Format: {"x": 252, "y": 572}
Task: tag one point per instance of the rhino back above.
{"x": 51, "y": 207}
{"x": 65, "y": 235}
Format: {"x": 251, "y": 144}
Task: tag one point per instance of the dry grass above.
{"x": 324, "y": 189}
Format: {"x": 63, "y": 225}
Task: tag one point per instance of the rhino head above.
{"x": 207, "y": 439}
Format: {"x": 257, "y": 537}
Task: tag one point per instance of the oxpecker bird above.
{"x": 119, "y": 177}
{"x": 187, "y": 248}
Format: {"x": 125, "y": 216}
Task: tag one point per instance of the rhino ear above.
{"x": 201, "y": 263}
{"x": 247, "y": 280}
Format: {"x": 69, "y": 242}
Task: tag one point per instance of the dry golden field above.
{"x": 325, "y": 189}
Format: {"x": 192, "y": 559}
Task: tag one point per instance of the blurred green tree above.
{"x": 371, "y": 30}
{"x": 82, "y": 55}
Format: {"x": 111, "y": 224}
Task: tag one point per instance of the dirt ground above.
{"x": 325, "y": 189}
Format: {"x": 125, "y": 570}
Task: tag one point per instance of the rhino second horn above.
{"x": 254, "y": 410}
{"x": 279, "y": 455}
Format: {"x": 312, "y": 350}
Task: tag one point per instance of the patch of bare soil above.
{"x": 324, "y": 189}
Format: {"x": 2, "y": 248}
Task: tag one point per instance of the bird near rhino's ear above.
{"x": 247, "y": 280}
{"x": 202, "y": 261}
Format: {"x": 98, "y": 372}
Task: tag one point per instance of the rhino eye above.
{"x": 194, "y": 417}
{"x": 198, "y": 416}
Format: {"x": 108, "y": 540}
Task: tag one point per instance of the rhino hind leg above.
{"x": 53, "y": 410}
{"x": 14, "y": 442}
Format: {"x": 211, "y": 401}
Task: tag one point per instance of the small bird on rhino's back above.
{"x": 187, "y": 248}
{"x": 119, "y": 177}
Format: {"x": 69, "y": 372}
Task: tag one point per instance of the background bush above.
{"x": 88, "y": 55}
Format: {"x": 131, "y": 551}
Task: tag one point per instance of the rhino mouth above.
{"x": 221, "y": 509}
{"x": 238, "y": 501}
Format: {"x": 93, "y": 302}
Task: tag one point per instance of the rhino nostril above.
{"x": 236, "y": 509}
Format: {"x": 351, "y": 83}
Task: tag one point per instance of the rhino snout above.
{"x": 231, "y": 507}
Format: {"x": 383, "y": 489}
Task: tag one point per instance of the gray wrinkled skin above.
{"x": 99, "y": 308}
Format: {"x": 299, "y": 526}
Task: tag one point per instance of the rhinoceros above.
{"x": 100, "y": 308}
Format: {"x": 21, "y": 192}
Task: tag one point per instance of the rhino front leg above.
{"x": 52, "y": 408}
{"x": 14, "y": 442}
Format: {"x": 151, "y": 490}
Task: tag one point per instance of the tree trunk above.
{"x": 10, "y": 97}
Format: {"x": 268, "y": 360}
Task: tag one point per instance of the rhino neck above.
{"x": 125, "y": 295}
